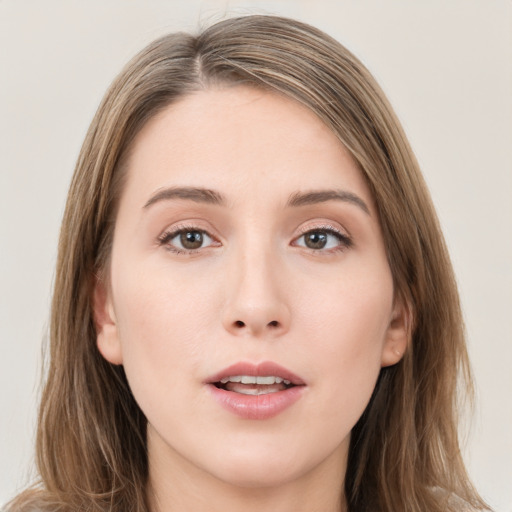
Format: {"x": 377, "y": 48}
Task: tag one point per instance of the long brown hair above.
{"x": 404, "y": 451}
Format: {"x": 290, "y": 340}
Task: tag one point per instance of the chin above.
{"x": 254, "y": 476}
{"x": 254, "y": 465}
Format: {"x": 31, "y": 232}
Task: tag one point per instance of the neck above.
{"x": 175, "y": 484}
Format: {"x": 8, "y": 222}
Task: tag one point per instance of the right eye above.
{"x": 186, "y": 240}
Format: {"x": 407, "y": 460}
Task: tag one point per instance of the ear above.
{"x": 397, "y": 334}
{"x": 107, "y": 336}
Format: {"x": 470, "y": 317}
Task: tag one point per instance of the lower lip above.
{"x": 256, "y": 407}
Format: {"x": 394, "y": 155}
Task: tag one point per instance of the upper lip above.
{"x": 263, "y": 369}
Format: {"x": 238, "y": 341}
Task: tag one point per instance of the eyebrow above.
{"x": 196, "y": 194}
{"x": 208, "y": 196}
{"x": 322, "y": 196}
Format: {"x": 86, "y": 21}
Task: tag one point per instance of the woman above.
{"x": 253, "y": 306}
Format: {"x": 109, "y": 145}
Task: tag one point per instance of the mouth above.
{"x": 256, "y": 391}
{"x": 254, "y": 385}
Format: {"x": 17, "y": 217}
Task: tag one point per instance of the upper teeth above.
{"x": 252, "y": 379}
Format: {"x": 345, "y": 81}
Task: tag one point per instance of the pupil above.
{"x": 191, "y": 239}
{"x": 316, "y": 240}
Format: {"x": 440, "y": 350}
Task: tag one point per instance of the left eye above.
{"x": 187, "y": 239}
{"x": 318, "y": 239}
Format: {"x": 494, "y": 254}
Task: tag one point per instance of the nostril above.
{"x": 240, "y": 326}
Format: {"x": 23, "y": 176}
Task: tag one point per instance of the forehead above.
{"x": 240, "y": 140}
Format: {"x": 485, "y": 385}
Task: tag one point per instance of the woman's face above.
{"x": 247, "y": 245}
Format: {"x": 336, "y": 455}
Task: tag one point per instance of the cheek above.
{"x": 350, "y": 320}
{"x": 350, "y": 310}
{"x": 162, "y": 325}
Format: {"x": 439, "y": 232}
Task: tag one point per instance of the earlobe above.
{"x": 397, "y": 335}
{"x": 107, "y": 337}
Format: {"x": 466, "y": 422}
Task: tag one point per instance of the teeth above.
{"x": 251, "y": 379}
{"x": 265, "y": 380}
{"x": 232, "y": 379}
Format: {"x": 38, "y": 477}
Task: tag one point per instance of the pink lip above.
{"x": 258, "y": 370}
{"x": 256, "y": 407}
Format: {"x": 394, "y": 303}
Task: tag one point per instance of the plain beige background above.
{"x": 447, "y": 68}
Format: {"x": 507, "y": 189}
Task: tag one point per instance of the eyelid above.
{"x": 345, "y": 240}
{"x": 174, "y": 230}
{"x": 323, "y": 225}
{"x": 312, "y": 225}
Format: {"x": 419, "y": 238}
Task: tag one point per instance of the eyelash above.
{"x": 165, "y": 238}
{"x": 345, "y": 242}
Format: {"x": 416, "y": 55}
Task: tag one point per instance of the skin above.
{"x": 254, "y": 291}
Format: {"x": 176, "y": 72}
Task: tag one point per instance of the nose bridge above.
{"x": 256, "y": 304}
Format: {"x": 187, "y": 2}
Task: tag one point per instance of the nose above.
{"x": 256, "y": 305}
